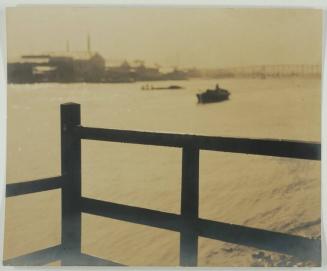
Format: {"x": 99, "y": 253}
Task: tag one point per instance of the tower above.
{"x": 67, "y": 46}
{"x": 88, "y": 44}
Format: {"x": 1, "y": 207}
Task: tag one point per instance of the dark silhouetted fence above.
{"x": 188, "y": 223}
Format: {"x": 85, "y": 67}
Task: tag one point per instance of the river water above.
{"x": 265, "y": 192}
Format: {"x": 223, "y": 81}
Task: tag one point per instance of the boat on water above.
{"x": 213, "y": 95}
{"x": 147, "y": 87}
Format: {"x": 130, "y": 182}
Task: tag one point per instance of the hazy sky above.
{"x": 201, "y": 37}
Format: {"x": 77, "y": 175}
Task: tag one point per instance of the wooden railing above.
{"x": 187, "y": 223}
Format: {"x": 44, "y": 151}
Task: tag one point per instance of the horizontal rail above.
{"x": 40, "y": 257}
{"x": 56, "y": 253}
{"x": 302, "y": 247}
{"x": 280, "y": 148}
{"x": 88, "y": 260}
{"x": 132, "y": 214}
{"x": 22, "y": 188}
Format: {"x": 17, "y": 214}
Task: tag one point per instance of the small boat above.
{"x": 160, "y": 88}
{"x": 174, "y": 87}
{"x": 213, "y": 95}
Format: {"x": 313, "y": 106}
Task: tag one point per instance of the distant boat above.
{"x": 213, "y": 95}
{"x": 147, "y": 87}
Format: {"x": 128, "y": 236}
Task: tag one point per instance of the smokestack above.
{"x": 88, "y": 44}
{"x": 67, "y": 46}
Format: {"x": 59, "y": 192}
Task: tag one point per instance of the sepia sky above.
{"x": 185, "y": 37}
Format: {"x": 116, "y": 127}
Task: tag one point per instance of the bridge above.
{"x": 301, "y": 70}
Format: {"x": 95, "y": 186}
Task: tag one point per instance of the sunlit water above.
{"x": 271, "y": 193}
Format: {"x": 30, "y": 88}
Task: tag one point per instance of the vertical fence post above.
{"x": 189, "y": 206}
{"x": 71, "y": 189}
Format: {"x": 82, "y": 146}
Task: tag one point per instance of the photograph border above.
{"x": 167, "y": 3}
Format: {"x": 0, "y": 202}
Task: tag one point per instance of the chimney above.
{"x": 88, "y": 44}
{"x": 67, "y": 46}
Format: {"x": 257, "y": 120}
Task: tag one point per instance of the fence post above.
{"x": 189, "y": 206}
{"x": 71, "y": 189}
